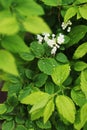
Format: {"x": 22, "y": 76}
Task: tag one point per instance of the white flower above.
{"x": 68, "y": 29}
{"x": 51, "y": 42}
{"x": 53, "y": 51}
{"x": 46, "y": 34}
{"x": 65, "y": 25}
{"x": 60, "y": 39}
{"x": 53, "y": 35}
{"x": 39, "y": 38}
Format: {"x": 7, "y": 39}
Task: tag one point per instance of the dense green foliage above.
{"x": 46, "y": 84}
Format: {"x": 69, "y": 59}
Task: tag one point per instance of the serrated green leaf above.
{"x": 48, "y": 110}
{"x": 14, "y": 44}
{"x": 80, "y": 65}
{"x": 80, "y": 30}
{"x": 2, "y": 108}
{"x": 8, "y": 125}
{"x": 83, "y": 10}
{"x": 46, "y": 65}
{"x": 80, "y": 51}
{"x": 41, "y": 102}
{"x": 32, "y": 24}
{"x": 8, "y": 23}
{"x": 52, "y": 2}
{"x": 84, "y": 82}
{"x": 66, "y": 108}
{"x": 7, "y": 63}
{"x": 60, "y": 74}
{"x": 70, "y": 13}
{"x": 28, "y": 7}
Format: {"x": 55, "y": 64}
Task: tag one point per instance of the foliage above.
{"x": 43, "y": 64}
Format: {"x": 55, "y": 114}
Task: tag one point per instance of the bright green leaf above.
{"x": 80, "y": 51}
{"x": 14, "y": 44}
{"x": 52, "y": 2}
{"x": 29, "y": 7}
{"x": 2, "y": 108}
{"x": 70, "y": 13}
{"x": 7, "y": 63}
{"x": 8, "y": 125}
{"x": 48, "y": 110}
{"x": 66, "y": 108}
{"x": 6, "y": 3}
{"x": 80, "y": 65}
{"x": 83, "y": 10}
{"x": 32, "y": 24}
{"x": 60, "y": 74}
{"x": 8, "y": 23}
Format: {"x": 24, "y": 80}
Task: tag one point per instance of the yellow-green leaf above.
{"x": 66, "y": 108}
{"x": 83, "y": 10}
{"x": 7, "y": 62}
{"x": 2, "y": 108}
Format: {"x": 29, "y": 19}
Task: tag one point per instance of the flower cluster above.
{"x": 52, "y": 41}
{"x": 66, "y": 25}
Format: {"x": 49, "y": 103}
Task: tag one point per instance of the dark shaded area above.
{"x": 3, "y": 95}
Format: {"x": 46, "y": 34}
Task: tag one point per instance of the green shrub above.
{"x": 43, "y": 64}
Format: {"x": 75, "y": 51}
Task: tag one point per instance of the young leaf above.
{"x": 41, "y": 102}
{"x": 70, "y": 13}
{"x": 46, "y": 65}
{"x": 60, "y": 74}
{"x": 33, "y": 98}
{"x": 83, "y": 10}
{"x": 80, "y": 30}
{"x": 2, "y": 108}
{"x": 52, "y": 2}
{"x": 48, "y": 110}
{"x": 32, "y": 24}
{"x": 7, "y": 63}
{"x": 8, "y": 125}
{"x": 80, "y": 65}
{"x": 84, "y": 82}
{"x": 14, "y": 44}
{"x": 8, "y": 23}
{"x": 80, "y": 51}
{"x": 66, "y": 108}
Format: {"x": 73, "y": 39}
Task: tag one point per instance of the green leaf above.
{"x": 49, "y": 87}
{"x": 80, "y": 65}
{"x": 28, "y": 7}
{"x": 6, "y": 3}
{"x": 40, "y": 79}
{"x": 7, "y": 63}
{"x": 52, "y": 2}
{"x": 14, "y": 44}
{"x": 41, "y": 125}
{"x": 20, "y": 127}
{"x": 8, "y": 125}
{"x": 78, "y": 96}
{"x": 80, "y": 51}
{"x": 2, "y": 108}
{"x": 37, "y": 114}
{"x": 82, "y": 1}
{"x": 83, "y": 10}
{"x": 48, "y": 110}
{"x": 37, "y": 49}
{"x": 32, "y": 24}
{"x": 41, "y": 103}
{"x": 46, "y": 65}
{"x": 60, "y": 74}
{"x": 80, "y": 30}
{"x": 8, "y": 23}
{"x": 83, "y": 117}
{"x": 84, "y": 82}
{"x": 33, "y": 98}
{"x": 66, "y": 108}
{"x": 61, "y": 57}
{"x": 70, "y": 13}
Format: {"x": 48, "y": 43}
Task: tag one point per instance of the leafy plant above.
{"x": 43, "y": 64}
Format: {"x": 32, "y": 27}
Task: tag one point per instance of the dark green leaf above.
{"x": 8, "y": 125}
